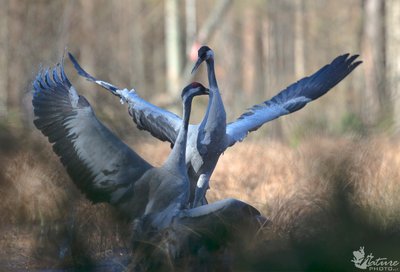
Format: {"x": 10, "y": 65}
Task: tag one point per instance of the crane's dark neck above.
{"x": 213, "y": 125}
{"x": 212, "y": 81}
{"x": 176, "y": 159}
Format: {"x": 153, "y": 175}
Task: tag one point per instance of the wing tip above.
{"x": 50, "y": 80}
{"x": 89, "y": 77}
{"x": 352, "y": 63}
{"x": 345, "y": 58}
{"x": 79, "y": 68}
{"x": 352, "y": 58}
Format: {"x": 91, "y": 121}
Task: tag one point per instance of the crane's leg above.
{"x": 201, "y": 189}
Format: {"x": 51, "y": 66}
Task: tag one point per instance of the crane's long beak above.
{"x": 196, "y": 66}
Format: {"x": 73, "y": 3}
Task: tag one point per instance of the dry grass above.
{"x": 255, "y": 174}
{"x": 33, "y": 192}
{"x": 284, "y": 182}
{"x": 375, "y": 180}
{"x": 272, "y": 176}
{"x": 324, "y": 198}
{"x": 315, "y": 193}
{"x": 45, "y": 221}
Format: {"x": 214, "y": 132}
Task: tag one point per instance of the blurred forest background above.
{"x": 260, "y": 46}
{"x": 330, "y": 170}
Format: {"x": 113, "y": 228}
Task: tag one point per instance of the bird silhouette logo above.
{"x": 359, "y": 259}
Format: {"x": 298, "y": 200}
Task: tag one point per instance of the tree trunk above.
{"x": 88, "y": 46}
{"x": 191, "y": 24}
{"x": 278, "y": 54}
{"x": 3, "y": 57}
{"x": 393, "y": 57}
{"x": 66, "y": 20}
{"x": 373, "y": 46}
{"x": 172, "y": 44}
{"x": 249, "y": 54}
{"x": 137, "y": 44}
{"x": 205, "y": 33}
{"x": 299, "y": 62}
{"x": 14, "y": 61}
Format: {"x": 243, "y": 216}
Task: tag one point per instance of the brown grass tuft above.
{"x": 375, "y": 180}
{"x": 32, "y": 191}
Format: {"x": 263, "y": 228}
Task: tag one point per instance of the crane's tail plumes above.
{"x": 108, "y": 86}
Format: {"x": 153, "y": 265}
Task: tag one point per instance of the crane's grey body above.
{"x": 205, "y": 140}
{"x": 208, "y": 140}
{"x": 102, "y": 166}
{"x": 212, "y": 130}
{"x": 156, "y": 200}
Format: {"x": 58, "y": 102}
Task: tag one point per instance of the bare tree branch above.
{"x": 206, "y": 31}
{"x": 3, "y": 57}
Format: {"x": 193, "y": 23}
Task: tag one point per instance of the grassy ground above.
{"x": 325, "y": 198}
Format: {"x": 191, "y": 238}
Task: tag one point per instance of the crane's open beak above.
{"x": 196, "y": 66}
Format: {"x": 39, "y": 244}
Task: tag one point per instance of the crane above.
{"x": 106, "y": 170}
{"x": 212, "y": 130}
{"x": 209, "y": 139}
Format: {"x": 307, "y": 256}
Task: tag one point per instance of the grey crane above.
{"x": 212, "y": 130}
{"x": 107, "y": 170}
{"x": 209, "y": 139}
{"x": 103, "y": 167}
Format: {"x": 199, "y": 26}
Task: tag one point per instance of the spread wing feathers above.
{"x": 293, "y": 98}
{"x": 219, "y": 207}
{"x": 101, "y": 165}
{"x": 219, "y": 221}
{"x": 161, "y": 123}
{"x": 108, "y": 86}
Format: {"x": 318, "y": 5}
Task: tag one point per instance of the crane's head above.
{"x": 205, "y": 53}
{"x": 192, "y": 90}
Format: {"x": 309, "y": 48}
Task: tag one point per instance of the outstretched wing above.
{"x": 161, "y": 123}
{"x": 221, "y": 221}
{"x": 100, "y": 164}
{"x": 293, "y": 98}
